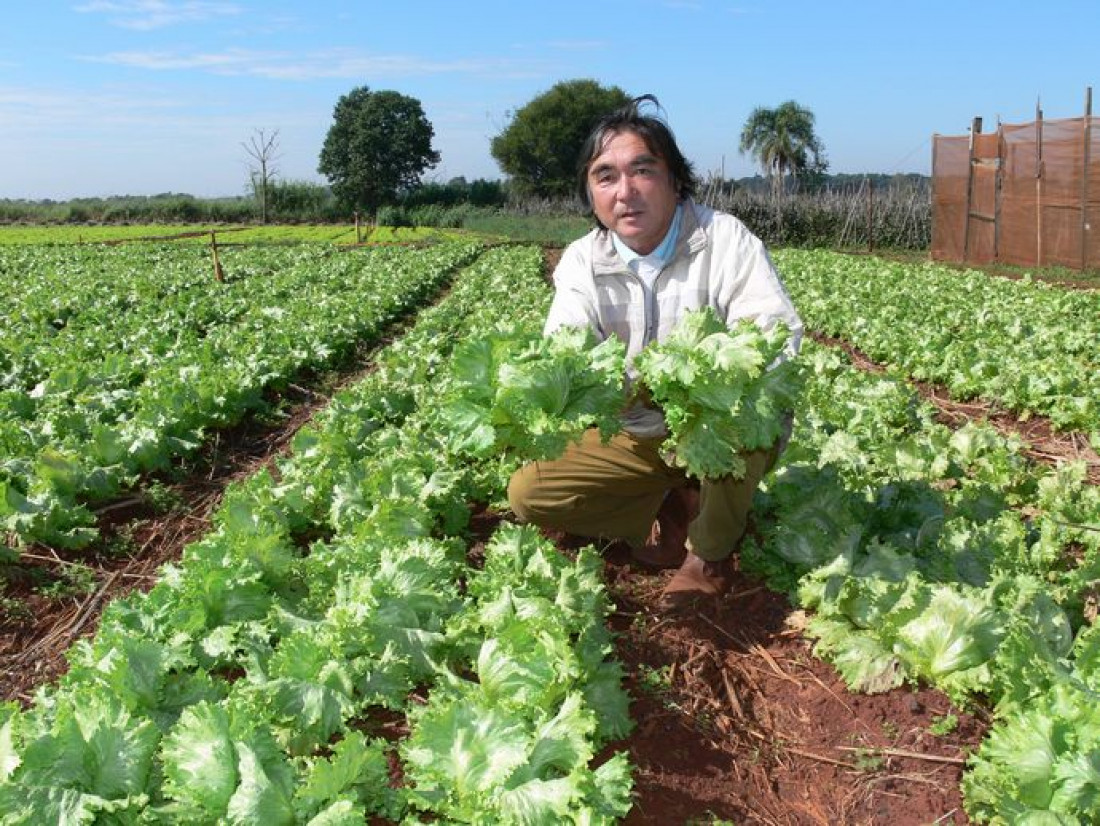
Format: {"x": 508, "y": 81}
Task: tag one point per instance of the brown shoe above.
{"x": 697, "y": 579}
{"x": 667, "y": 543}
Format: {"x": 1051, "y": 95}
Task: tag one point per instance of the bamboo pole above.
{"x": 937, "y": 218}
{"x": 870, "y": 215}
{"x": 1038, "y": 185}
{"x": 998, "y": 184}
{"x": 975, "y": 129}
{"x": 1085, "y": 163}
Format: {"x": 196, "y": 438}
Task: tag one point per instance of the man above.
{"x": 655, "y": 256}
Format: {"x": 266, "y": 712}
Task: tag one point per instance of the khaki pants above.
{"x": 615, "y": 491}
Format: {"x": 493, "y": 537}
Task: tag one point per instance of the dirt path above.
{"x": 738, "y": 720}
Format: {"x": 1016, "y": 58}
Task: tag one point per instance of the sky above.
{"x": 141, "y": 97}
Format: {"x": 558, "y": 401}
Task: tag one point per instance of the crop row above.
{"x": 115, "y": 361}
{"x": 939, "y": 555}
{"x": 77, "y": 234}
{"x": 1031, "y": 347}
{"x": 253, "y": 682}
{"x": 189, "y": 234}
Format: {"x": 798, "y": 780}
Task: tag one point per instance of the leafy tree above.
{"x": 456, "y": 191}
{"x": 540, "y": 145}
{"x": 378, "y": 145}
{"x": 783, "y": 142}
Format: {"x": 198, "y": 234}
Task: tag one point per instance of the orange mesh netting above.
{"x": 1027, "y": 194}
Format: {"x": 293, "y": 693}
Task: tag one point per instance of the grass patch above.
{"x": 556, "y": 230}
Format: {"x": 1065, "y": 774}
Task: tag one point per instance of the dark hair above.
{"x": 652, "y": 130}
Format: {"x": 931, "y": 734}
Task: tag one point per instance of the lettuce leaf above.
{"x": 517, "y": 391}
{"x": 723, "y": 390}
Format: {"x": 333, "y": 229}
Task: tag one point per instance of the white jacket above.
{"x": 717, "y": 263}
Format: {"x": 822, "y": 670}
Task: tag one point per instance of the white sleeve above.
{"x": 575, "y": 302}
{"x": 750, "y": 287}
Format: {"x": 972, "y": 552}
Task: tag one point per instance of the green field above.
{"x": 341, "y": 584}
{"x": 201, "y": 234}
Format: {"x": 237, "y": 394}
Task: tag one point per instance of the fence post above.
{"x": 1038, "y": 185}
{"x": 975, "y": 129}
{"x": 998, "y": 184}
{"x": 1085, "y": 180}
{"x": 219, "y": 274}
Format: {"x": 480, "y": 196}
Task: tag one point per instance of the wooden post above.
{"x": 937, "y": 217}
{"x": 1087, "y": 160}
{"x": 1038, "y": 185}
{"x": 870, "y": 214}
{"x": 975, "y": 129}
{"x": 998, "y": 187}
{"x": 358, "y": 232}
{"x": 219, "y": 274}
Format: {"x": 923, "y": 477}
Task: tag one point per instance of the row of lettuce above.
{"x": 115, "y": 361}
{"x": 940, "y": 555}
{"x": 256, "y": 681}
{"x": 945, "y": 556}
{"x": 1031, "y": 347}
{"x": 189, "y": 234}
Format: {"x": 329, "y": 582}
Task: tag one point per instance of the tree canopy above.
{"x": 539, "y": 147}
{"x": 379, "y": 144}
{"x": 783, "y": 142}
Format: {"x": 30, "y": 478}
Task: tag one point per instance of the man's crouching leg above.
{"x": 594, "y": 489}
{"x": 717, "y": 532}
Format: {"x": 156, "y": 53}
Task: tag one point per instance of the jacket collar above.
{"x": 693, "y": 237}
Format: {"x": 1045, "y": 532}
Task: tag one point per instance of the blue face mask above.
{"x": 664, "y": 251}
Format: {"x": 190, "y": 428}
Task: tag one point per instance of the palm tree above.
{"x": 783, "y": 142}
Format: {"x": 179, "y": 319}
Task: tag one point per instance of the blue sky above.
{"x": 102, "y": 97}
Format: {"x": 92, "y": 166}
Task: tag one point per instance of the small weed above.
{"x": 942, "y": 726}
{"x": 74, "y": 580}
{"x": 16, "y": 610}
{"x": 654, "y": 680}
{"x": 890, "y": 730}
{"x": 867, "y": 760}
{"x": 711, "y": 819}
{"x": 122, "y": 543}
{"x": 161, "y": 498}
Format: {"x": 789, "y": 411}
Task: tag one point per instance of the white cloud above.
{"x": 138, "y": 141}
{"x": 145, "y": 15}
{"x": 580, "y": 45}
{"x": 333, "y": 63}
{"x": 43, "y": 110}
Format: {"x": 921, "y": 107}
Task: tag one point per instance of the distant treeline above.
{"x": 838, "y": 211}
{"x": 288, "y": 202}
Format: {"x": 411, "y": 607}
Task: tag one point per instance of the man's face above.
{"x": 632, "y": 192}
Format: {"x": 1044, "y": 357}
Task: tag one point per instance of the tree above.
{"x": 378, "y": 145}
{"x": 261, "y": 147}
{"x": 540, "y": 145}
{"x": 783, "y": 142}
